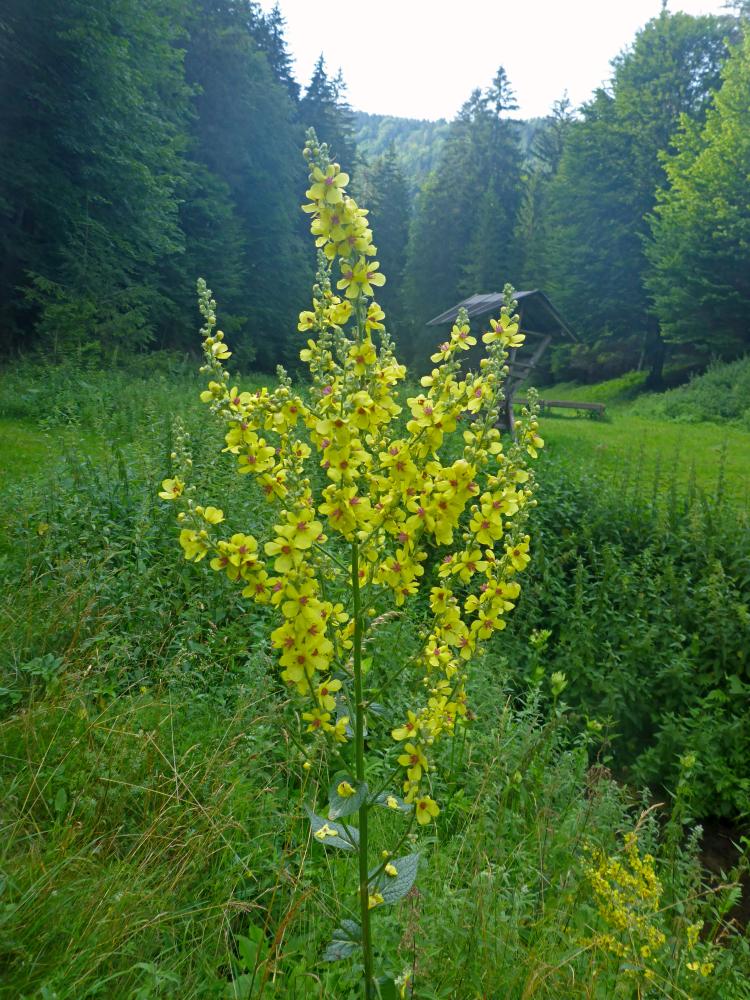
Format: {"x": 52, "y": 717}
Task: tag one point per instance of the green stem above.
{"x": 359, "y": 749}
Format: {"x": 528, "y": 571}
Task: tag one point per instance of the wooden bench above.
{"x": 594, "y": 409}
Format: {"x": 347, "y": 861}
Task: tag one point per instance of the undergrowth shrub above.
{"x": 721, "y": 394}
{"x": 646, "y": 597}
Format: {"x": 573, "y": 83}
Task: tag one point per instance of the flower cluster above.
{"x": 628, "y": 896}
{"x": 366, "y": 490}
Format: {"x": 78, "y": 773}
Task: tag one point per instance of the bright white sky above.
{"x": 422, "y": 58}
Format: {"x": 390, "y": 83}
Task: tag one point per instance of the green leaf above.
{"x": 251, "y": 948}
{"x": 395, "y": 887}
{"x": 345, "y": 941}
{"x": 387, "y": 800}
{"x": 344, "y": 837}
{"x": 387, "y": 988}
{"x": 345, "y": 805}
{"x": 61, "y": 801}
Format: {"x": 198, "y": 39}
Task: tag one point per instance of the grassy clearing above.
{"x": 706, "y": 457}
{"x": 647, "y": 435}
{"x": 152, "y": 843}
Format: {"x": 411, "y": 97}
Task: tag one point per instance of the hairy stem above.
{"x": 359, "y": 748}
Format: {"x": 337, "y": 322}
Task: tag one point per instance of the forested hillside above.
{"x": 418, "y": 143}
{"x": 147, "y": 143}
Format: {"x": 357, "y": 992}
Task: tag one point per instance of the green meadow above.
{"x": 153, "y": 839}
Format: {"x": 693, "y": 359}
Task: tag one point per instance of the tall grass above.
{"x": 151, "y": 835}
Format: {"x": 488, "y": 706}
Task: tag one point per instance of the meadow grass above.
{"x": 692, "y": 436}
{"x": 710, "y": 458}
{"x": 152, "y": 840}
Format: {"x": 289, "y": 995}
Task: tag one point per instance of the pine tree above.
{"x": 246, "y": 139}
{"x": 532, "y": 228}
{"x": 387, "y": 197}
{"x": 270, "y": 36}
{"x": 92, "y": 127}
{"x": 324, "y": 108}
{"x": 462, "y": 236}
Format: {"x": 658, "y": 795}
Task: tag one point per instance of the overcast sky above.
{"x": 422, "y": 58}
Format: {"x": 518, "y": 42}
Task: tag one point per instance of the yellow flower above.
{"x": 194, "y": 544}
{"x": 426, "y": 809}
{"x": 326, "y": 187}
{"x": 306, "y": 321}
{"x": 373, "y": 318}
{"x": 363, "y": 355}
{"x": 324, "y": 831}
{"x": 461, "y": 337}
{"x": 259, "y": 456}
{"x": 171, "y": 489}
{"x": 414, "y": 760}
{"x": 339, "y": 312}
{"x": 391, "y": 870}
{"x": 217, "y": 349}
{"x": 317, "y": 721}
{"x": 505, "y": 331}
{"x": 410, "y": 728}
{"x": 287, "y": 555}
{"x": 339, "y": 730}
{"x": 302, "y": 530}
{"x": 519, "y": 554}
{"x": 326, "y": 691}
{"x": 345, "y": 790}
{"x": 212, "y": 515}
{"x": 359, "y": 278}
{"x": 374, "y": 899}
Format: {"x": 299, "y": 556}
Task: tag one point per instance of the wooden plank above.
{"x": 566, "y": 404}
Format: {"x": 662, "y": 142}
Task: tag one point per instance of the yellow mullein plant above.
{"x": 368, "y": 509}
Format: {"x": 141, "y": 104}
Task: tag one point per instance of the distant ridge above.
{"x": 418, "y": 142}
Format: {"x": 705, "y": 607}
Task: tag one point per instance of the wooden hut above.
{"x": 540, "y": 321}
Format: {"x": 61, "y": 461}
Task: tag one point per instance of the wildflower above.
{"x": 426, "y": 809}
{"x": 519, "y": 554}
{"x": 327, "y": 186}
{"x": 345, "y": 790}
{"x": 325, "y": 830}
{"x": 410, "y": 728}
{"x": 414, "y": 760}
{"x": 505, "y": 331}
{"x": 171, "y": 489}
{"x": 374, "y": 899}
{"x": 359, "y": 278}
{"x": 326, "y": 691}
{"x": 211, "y": 514}
{"x": 194, "y": 544}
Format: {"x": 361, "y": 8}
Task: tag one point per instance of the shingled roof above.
{"x": 537, "y": 311}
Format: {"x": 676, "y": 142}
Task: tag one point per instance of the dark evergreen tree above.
{"x": 386, "y": 194}
{"x": 608, "y": 177}
{"x": 532, "y": 231}
{"x": 270, "y": 36}
{"x": 92, "y": 127}
{"x": 324, "y": 108}
{"x": 462, "y": 236}
{"x": 247, "y": 140}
